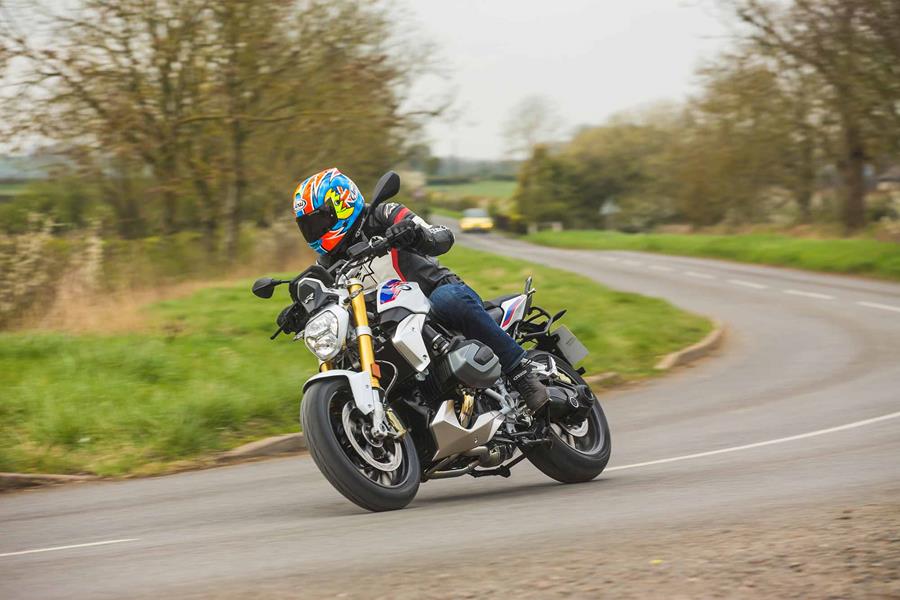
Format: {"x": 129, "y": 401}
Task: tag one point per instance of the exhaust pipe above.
{"x": 487, "y": 457}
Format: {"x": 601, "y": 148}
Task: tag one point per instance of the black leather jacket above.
{"x": 416, "y": 264}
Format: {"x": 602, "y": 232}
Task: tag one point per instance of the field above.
{"x": 11, "y": 189}
{"x": 201, "y": 375}
{"x": 856, "y": 256}
{"x": 486, "y": 188}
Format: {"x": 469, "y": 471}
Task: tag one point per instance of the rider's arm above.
{"x": 433, "y": 240}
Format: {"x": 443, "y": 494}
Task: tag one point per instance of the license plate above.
{"x": 572, "y": 349}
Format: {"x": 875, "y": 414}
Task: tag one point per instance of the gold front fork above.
{"x": 363, "y": 332}
{"x": 367, "y": 354}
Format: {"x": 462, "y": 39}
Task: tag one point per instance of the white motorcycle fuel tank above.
{"x": 395, "y": 293}
{"x": 407, "y": 338}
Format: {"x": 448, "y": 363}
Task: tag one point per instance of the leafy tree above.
{"x": 547, "y": 191}
{"x": 850, "y": 45}
{"x": 753, "y": 128}
{"x": 615, "y": 163}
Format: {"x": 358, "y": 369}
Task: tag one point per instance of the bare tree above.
{"x": 203, "y": 111}
{"x": 533, "y": 120}
{"x": 114, "y": 79}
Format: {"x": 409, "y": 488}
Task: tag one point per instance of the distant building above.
{"x": 889, "y": 181}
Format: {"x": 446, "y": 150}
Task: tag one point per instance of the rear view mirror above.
{"x": 386, "y": 188}
{"x": 264, "y": 287}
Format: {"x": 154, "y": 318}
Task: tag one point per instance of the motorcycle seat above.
{"x": 496, "y": 302}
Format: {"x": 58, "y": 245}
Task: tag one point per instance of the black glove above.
{"x": 404, "y": 234}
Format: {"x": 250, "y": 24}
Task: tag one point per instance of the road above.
{"x": 800, "y": 411}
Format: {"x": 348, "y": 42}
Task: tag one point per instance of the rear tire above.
{"x": 563, "y": 462}
{"x": 321, "y": 413}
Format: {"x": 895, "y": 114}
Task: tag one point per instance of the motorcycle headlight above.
{"x": 321, "y": 335}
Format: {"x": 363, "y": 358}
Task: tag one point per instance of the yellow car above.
{"x": 475, "y": 219}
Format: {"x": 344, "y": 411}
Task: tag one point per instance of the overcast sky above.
{"x": 592, "y": 58}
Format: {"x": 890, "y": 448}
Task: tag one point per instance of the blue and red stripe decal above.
{"x": 507, "y": 317}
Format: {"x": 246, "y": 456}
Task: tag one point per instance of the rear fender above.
{"x": 364, "y": 396}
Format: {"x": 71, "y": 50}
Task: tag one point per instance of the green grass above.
{"x": 625, "y": 332}
{"x": 11, "y": 189}
{"x": 446, "y": 212}
{"x": 206, "y": 377}
{"x": 486, "y": 188}
{"x": 856, "y": 256}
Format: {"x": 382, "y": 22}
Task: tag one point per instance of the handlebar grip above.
{"x": 381, "y": 247}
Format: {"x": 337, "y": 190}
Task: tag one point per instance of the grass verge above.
{"x": 446, "y": 212}
{"x": 855, "y": 256}
{"x": 485, "y": 188}
{"x": 206, "y": 377}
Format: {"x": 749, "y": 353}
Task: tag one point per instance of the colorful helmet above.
{"x": 327, "y": 205}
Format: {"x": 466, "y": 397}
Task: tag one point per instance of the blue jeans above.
{"x": 458, "y": 307}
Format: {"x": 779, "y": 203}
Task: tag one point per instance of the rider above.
{"x": 332, "y": 216}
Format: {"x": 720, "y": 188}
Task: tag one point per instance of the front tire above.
{"x": 574, "y": 458}
{"x": 377, "y": 475}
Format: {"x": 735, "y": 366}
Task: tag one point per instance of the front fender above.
{"x": 360, "y": 386}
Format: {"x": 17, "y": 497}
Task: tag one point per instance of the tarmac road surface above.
{"x": 800, "y": 408}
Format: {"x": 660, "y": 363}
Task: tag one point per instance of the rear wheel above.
{"x": 580, "y": 452}
{"x": 376, "y": 474}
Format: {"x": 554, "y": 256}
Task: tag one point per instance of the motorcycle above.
{"x": 447, "y": 410}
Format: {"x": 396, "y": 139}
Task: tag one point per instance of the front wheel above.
{"x": 376, "y": 474}
{"x": 578, "y": 453}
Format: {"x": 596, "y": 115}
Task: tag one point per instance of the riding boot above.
{"x": 528, "y": 385}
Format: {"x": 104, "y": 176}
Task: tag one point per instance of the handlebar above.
{"x": 363, "y": 251}
{"x": 358, "y": 254}
{"x": 375, "y": 247}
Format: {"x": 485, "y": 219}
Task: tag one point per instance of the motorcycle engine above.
{"x": 469, "y": 363}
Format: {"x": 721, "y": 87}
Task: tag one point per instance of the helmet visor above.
{"x": 317, "y": 223}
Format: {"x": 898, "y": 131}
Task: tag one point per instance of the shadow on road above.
{"x": 532, "y": 490}
{"x": 446, "y": 498}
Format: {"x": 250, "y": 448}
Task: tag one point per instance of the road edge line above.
{"x": 270, "y": 446}
{"x": 12, "y": 481}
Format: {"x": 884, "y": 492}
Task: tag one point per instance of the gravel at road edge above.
{"x": 823, "y": 551}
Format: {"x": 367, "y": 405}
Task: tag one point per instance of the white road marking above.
{"x": 809, "y": 294}
{"x": 631, "y": 263}
{"x": 698, "y": 275}
{"x": 662, "y": 268}
{"x": 782, "y": 440}
{"x": 749, "y": 284}
{"x": 649, "y": 463}
{"x": 881, "y": 306}
{"x": 69, "y": 547}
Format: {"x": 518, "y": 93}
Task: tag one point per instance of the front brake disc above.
{"x": 353, "y": 428}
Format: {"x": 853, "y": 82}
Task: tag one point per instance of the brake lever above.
{"x": 379, "y": 245}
